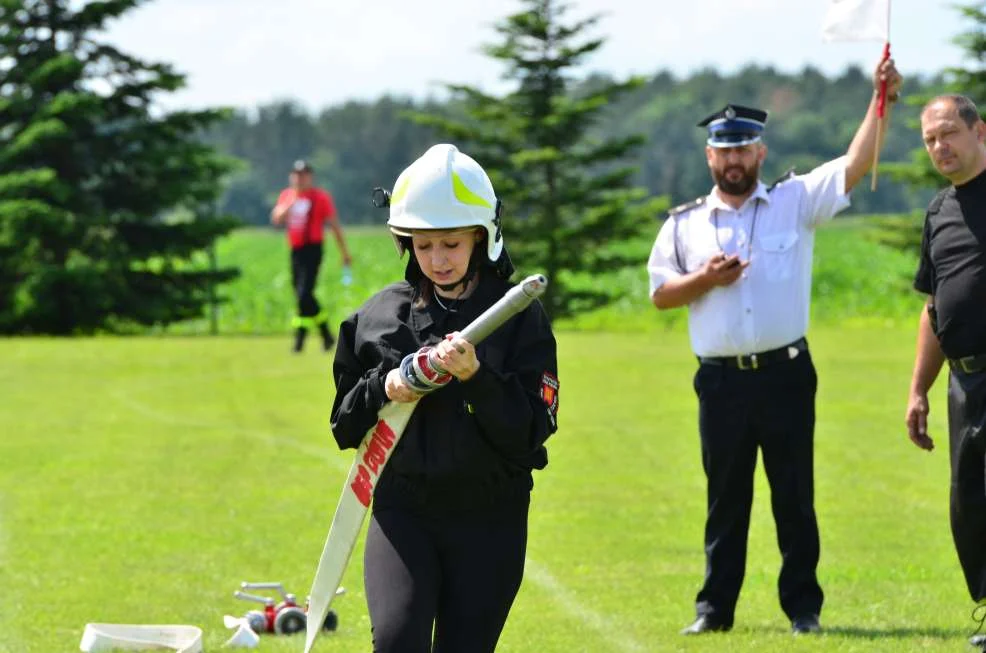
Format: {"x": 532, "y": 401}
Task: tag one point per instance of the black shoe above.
{"x": 979, "y": 641}
{"x": 706, "y": 624}
{"x": 328, "y": 342}
{"x": 805, "y": 625}
{"x": 299, "y": 340}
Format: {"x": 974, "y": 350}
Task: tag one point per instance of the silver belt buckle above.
{"x": 966, "y": 365}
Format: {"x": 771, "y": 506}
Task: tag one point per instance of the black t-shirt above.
{"x": 953, "y": 267}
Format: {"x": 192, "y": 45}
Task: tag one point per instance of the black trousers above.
{"x": 967, "y": 443}
{"x": 305, "y": 262}
{"x": 443, "y": 584}
{"x": 773, "y": 409}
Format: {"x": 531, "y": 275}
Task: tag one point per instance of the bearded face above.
{"x": 735, "y": 170}
{"x": 736, "y": 179}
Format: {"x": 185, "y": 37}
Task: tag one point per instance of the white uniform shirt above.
{"x": 767, "y": 307}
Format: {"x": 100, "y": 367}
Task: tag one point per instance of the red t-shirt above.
{"x": 307, "y": 216}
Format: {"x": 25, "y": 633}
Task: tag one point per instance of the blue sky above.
{"x": 323, "y": 52}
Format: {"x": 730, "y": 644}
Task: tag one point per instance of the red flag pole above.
{"x": 881, "y": 109}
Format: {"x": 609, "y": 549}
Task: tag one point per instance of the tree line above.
{"x": 356, "y": 146}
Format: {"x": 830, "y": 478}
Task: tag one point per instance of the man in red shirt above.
{"x": 305, "y": 210}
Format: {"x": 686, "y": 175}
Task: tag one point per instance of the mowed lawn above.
{"x": 142, "y": 479}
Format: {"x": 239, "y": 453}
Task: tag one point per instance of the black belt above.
{"x": 969, "y": 364}
{"x": 762, "y": 358}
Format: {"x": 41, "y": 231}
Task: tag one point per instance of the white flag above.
{"x": 857, "y": 20}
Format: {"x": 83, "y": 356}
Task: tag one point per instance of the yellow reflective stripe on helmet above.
{"x": 466, "y": 196}
{"x": 401, "y": 190}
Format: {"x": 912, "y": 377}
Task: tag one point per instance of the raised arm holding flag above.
{"x": 865, "y": 20}
{"x": 863, "y": 151}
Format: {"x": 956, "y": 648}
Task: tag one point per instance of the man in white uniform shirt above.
{"x": 740, "y": 258}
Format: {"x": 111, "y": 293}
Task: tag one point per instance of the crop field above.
{"x": 855, "y": 281}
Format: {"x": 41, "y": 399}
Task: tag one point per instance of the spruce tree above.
{"x": 569, "y": 208}
{"x": 106, "y": 205}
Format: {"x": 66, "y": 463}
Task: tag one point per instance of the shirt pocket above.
{"x": 778, "y": 254}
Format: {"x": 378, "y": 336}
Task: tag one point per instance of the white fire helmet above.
{"x": 445, "y": 189}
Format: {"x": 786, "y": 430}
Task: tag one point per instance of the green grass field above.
{"x": 144, "y": 478}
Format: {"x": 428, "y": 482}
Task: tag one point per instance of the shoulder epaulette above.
{"x": 780, "y": 180}
{"x": 687, "y": 206}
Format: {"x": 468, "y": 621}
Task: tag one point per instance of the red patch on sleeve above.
{"x": 549, "y": 392}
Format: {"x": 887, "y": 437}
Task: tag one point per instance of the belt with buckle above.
{"x": 762, "y": 358}
{"x": 969, "y": 364}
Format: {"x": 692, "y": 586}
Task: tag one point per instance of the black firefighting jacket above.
{"x": 470, "y": 443}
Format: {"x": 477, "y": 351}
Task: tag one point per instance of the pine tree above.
{"x": 569, "y": 205}
{"x": 105, "y": 205}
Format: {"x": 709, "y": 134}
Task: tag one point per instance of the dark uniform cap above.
{"x": 734, "y": 125}
{"x": 301, "y": 166}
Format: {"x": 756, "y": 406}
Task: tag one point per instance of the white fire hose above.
{"x": 182, "y": 639}
{"x": 129, "y": 637}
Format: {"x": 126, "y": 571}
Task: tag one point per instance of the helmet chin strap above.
{"x": 449, "y": 287}
{"x": 465, "y": 280}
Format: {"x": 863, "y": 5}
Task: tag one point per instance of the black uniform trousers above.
{"x": 305, "y": 262}
{"x": 443, "y": 583}
{"x": 771, "y": 408}
{"x": 967, "y": 443}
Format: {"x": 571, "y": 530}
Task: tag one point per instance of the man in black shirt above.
{"x": 952, "y": 327}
